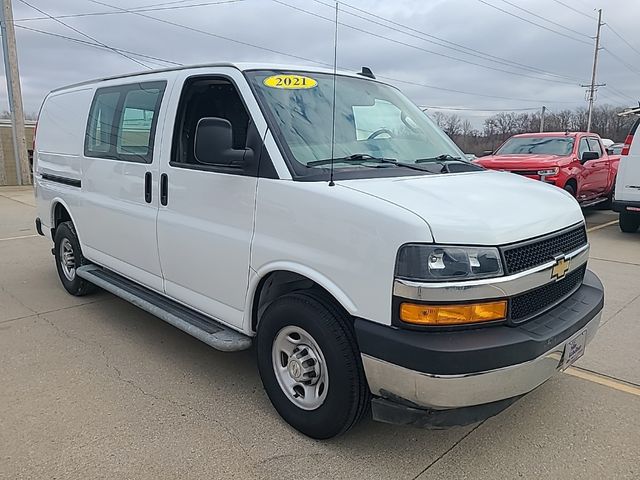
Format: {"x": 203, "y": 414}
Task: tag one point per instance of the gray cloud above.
{"x": 47, "y": 62}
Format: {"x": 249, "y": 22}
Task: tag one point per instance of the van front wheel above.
{"x": 68, "y": 258}
{"x": 310, "y": 364}
{"x": 629, "y": 222}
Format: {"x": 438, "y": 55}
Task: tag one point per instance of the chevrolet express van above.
{"x": 627, "y": 193}
{"x": 372, "y": 266}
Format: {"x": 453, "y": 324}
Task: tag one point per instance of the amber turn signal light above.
{"x": 442, "y": 315}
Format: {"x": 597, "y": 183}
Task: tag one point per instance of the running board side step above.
{"x": 592, "y": 203}
{"x": 194, "y": 323}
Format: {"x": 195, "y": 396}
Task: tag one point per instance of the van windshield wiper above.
{"x": 450, "y": 164}
{"x": 360, "y": 158}
{"x": 441, "y": 158}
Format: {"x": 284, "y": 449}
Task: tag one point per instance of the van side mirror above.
{"x": 586, "y": 156}
{"x": 214, "y": 143}
{"x": 609, "y": 151}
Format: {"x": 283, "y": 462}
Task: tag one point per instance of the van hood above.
{"x": 519, "y": 162}
{"x": 478, "y": 208}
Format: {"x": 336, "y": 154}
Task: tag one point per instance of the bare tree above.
{"x": 452, "y": 125}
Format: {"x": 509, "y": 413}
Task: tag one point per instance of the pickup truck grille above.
{"x": 529, "y": 254}
{"x": 534, "y": 302}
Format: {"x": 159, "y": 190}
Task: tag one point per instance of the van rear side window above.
{"x": 122, "y": 122}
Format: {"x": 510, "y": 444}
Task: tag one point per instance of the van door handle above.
{"x": 147, "y": 187}
{"x": 164, "y": 188}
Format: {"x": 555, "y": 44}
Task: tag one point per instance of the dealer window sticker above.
{"x": 290, "y": 82}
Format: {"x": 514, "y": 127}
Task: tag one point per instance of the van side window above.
{"x": 122, "y": 122}
{"x": 211, "y": 98}
{"x": 101, "y": 122}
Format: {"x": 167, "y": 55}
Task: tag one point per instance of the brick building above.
{"x": 7, "y": 159}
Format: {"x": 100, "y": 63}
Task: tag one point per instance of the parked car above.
{"x": 606, "y": 142}
{"x": 576, "y": 162}
{"x": 627, "y": 193}
{"x": 615, "y": 149}
{"x": 368, "y": 262}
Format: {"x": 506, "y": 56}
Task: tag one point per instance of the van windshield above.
{"x": 377, "y": 129}
{"x": 537, "y": 145}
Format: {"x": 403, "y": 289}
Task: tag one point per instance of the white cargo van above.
{"x": 627, "y": 192}
{"x": 371, "y": 264}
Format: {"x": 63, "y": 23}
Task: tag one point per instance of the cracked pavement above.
{"x": 93, "y": 387}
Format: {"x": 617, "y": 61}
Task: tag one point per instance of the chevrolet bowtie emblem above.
{"x": 560, "y": 268}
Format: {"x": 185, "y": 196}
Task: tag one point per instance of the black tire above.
{"x": 571, "y": 189}
{"x": 347, "y": 396}
{"x": 75, "y": 285}
{"x": 629, "y": 222}
{"x": 608, "y": 204}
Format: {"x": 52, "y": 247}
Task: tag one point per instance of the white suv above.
{"x": 327, "y": 220}
{"x": 627, "y": 192}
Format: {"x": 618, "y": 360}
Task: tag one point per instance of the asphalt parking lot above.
{"x": 93, "y": 388}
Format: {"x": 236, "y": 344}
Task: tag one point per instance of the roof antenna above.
{"x": 333, "y": 113}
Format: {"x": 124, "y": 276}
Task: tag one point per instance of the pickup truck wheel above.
{"x": 68, "y": 257}
{"x": 569, "y": 188}
{"x": 310, "y": 365}
{"x": 629, "y": 223}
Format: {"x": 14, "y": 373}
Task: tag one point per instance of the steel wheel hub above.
{"x": 67, "y": 259}
{"x": 300, "y": 368}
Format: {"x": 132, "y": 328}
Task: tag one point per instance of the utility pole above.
{"x": 542, "y": 118}
{"x": 14, "y": 92}
{"x": 593, "y": 85}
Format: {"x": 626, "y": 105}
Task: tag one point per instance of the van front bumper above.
{"x": 625, "y": 206}
{"x": 458, "y": 377}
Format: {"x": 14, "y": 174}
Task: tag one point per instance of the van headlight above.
{"x": 429, "y": 263}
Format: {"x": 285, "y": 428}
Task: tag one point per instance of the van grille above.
{"x": 530, "y": 304}
{"x": 530, "y": 254}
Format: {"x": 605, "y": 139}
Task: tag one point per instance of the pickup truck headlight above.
{"x": 429, "y": 263}
{"x": 549, "y": 171}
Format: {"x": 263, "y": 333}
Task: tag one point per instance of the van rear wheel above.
{"x": 69, "y": 257}
{"x": 310, "y": 364}
{"x": 629, "y": 222}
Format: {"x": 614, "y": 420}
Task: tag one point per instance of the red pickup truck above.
{"x": 575, "y": 161}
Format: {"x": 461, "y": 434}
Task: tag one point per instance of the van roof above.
{"x": 242, "y": 66}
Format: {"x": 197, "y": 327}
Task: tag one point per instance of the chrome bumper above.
{"x": 456, "y": 391}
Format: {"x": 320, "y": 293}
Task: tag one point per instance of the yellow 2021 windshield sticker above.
{"x": 290, "y": 82}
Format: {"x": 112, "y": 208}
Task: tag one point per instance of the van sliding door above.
{"x": 120, "y": 171}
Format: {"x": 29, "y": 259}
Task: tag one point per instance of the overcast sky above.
{"x": 400, "y": 50}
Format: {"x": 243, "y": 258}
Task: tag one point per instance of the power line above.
{"x": 84, "y": 34}
{"x": 629, "y": 67}
{"x": 574, "y": 10}
{"x": 150, "y": 8}
{"x": 620, "y": 93}
{"x": 408, "y": 82}
{"x": 613, "y": 30}
{"x": 534, "y": 23}
{"x": 544, "y": 18}
{"x": 392, "y": 79}
{"x": 101, "y": 47}
{"x": 210, "y": 34}
{"x": 451, "y": 90}
{"x": 461, "y": 48}
{"x": 416, "y": 47}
